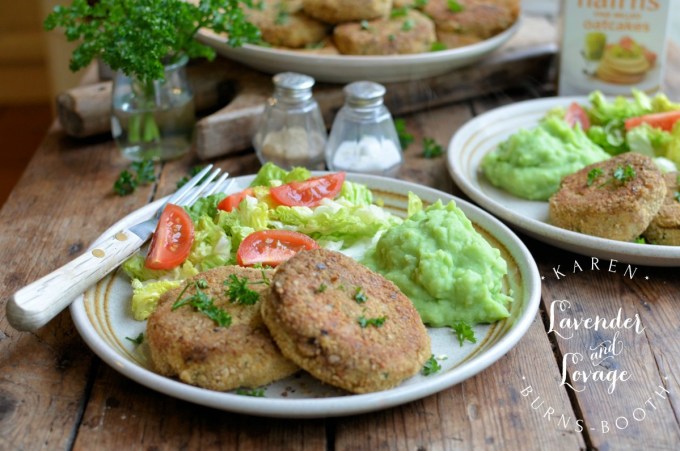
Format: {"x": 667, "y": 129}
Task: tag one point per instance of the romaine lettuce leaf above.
{"x": 272, "y": 175}
{"x": 211, "y": 247}
{"x": 135, "y": 269}
{"x": 356, "y": 193}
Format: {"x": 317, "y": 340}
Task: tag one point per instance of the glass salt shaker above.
{"x": 291, "y": 131}
{"x": 363, "y": 137}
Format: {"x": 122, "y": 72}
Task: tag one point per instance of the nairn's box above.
{"x": 613, "y": 45}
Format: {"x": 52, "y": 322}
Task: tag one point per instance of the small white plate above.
{"x": 348, "y": 68}
{"x": 482, "y": 135}
{"x": 103, "y": 318}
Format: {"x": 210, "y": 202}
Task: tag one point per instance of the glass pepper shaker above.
{"x": 363, "y": 137}
{"x": 291, "y": 131}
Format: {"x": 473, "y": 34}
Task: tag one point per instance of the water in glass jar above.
{"x": 161, "y": 133}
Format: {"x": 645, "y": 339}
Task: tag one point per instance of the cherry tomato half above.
{"x": 271, "y": 247}
{"x": 310, "y": 192}
{"x": 576, "y": 114}
{"x": 230, "y": 202}
{"x": 664, "y": 121}
{"x": 172, "y": 240}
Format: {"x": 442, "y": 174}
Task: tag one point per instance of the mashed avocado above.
{"x": 531, "y": 163}
{"x": 449, "y": 271}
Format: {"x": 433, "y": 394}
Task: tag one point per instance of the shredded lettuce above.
{"x": 356, "y": 193}
{"x": 205, "y": 206}
{"x": 415, "y": 205}
{"x": 145, "y": 296}
{"x": 272, "y": 175}
{"x": 211, "y": 247}
{"x": 135, "y": 269}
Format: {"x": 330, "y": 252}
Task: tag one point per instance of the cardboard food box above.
{"x": 613, "y": 45}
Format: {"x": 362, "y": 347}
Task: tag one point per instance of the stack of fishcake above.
{"x": 343, "y": 323}
{"x": 621, "y": 199}
{"x": 379, "y": 27}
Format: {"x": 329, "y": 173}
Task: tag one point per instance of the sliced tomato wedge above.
{"x": 310, "y": 192}
{"x": 172, "y": 240}
{"x": 576, "y": 114}
{"x": 271, "y": 247}
{"x": 230, "y": 202}
{"x": 664, "y": 121}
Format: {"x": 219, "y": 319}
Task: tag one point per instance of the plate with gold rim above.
{"x": 482, "y": 135}
{"x": 103, "y": 318}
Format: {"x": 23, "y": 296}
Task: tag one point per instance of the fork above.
{"x": 37, "y": 303}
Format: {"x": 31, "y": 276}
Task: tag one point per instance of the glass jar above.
{"x": 291, "y": 131}
{"x": 153, "y": 121}
{"x": 363, "y": 137}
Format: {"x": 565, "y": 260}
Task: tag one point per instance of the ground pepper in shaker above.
{"x": 291, "y": 131}
{"x": 363, "y": 137}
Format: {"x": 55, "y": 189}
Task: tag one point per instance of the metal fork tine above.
{"x": 216, "y": 186}
{"x": 197, "y": 192}
{"x": 180, "y": 193}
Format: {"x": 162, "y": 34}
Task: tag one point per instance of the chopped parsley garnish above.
{"x": 255, "y": 392}
{"x": 431, "y": 149}
{"x": 431, "y": 366}
{"x": 621, "y": 175}
{"x": 438, "y": 46}
{"x": 365, "y": 25}
{"x": 399, "y": 12}
{"x": 360, "y": 296}
{"x": 593, "y": 174}
{"x": 421, "y": 3}
{"x": 464, "y": 332}
{"x": 454, "y": 6}
{"x": 375, "y": 322}
{"x": 203, "y": 303}
{"x": 322, "y": 288}
{"x": 238, "y": 291}
{"x": 281, "y": 18}
{"x": 624, "y": 174}
{"x": 127, "y": 182}
{"x": 138, "y": 341}
{"x": 408, "y": 25}
{"x": 405, "y": 138}
{"x": 640, "y": 240}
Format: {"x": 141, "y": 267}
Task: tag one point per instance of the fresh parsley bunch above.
{"x": 140, "y": 36}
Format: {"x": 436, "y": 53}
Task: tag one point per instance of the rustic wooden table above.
{"x": 56, "y": 394}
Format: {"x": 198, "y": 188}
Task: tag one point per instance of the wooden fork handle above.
{"x": 36, "y": 304}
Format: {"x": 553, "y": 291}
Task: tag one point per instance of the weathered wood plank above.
{"x": 122, "y": 414}
{"x": 486, "y": 411}
{"x": 46, "y": 221}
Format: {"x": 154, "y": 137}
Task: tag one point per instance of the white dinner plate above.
{"x": 482, "y": 135}
{"x": 348, "y": 68}
{"x": 103, "y": 318}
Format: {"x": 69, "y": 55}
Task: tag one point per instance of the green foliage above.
{"x": 431, "y": 366}
{"x": 431, "y": 148}
{"x": 127, "y": 182}
{"x": 139, "y": 36}
{"x": 464, "y": 332}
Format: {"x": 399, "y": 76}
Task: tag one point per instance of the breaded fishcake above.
{"x": 187, "y": 343}
{"x": 665, "y": 227}
{"x": 479, "y": 19}
{"x": 339, "y": 11}
{"x": 616, "y": 198}
{"x": 345, "y": 324}
{"x": 282, "y": 27}
{"x": 412, "y": 32}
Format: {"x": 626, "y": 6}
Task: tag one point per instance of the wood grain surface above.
{"x": 55, "y": 394}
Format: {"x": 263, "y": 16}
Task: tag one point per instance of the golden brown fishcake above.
{"x": 480, "y": 19}
{"x": 190, "y": 345}
{"x": 665, "y": 227}
{"x": 412, "y": 32}
{"x": 607, "y": 207}
{"x": 339, "y": 11}
{"x": 281, "y": 27}
{"x": 315, "y": 310}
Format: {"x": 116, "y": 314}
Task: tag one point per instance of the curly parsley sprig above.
{"x": 139, "y": 36}
{"x": 203, "y": 303}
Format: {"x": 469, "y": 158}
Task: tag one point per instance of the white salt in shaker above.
{"x": 291, "y": 131}
{"x": 363, "y": 137}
